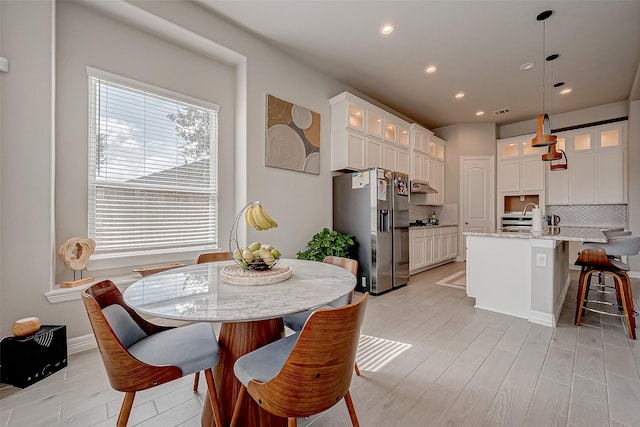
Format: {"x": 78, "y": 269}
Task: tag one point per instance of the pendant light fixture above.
{"x": 543, "y": 136}
{"x": 558, "y": 166}
{"x": 552, "y": 154}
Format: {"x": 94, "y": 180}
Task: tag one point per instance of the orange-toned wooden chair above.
{"x": 295, "y": 322}
{"x": 213, "y": 256}
{"x": 138, "y": 355}
{"x": 308, "y": 372}
{"x": 595, "y": 260}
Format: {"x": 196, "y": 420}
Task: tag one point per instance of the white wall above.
{"x": 634, "y": 176}
{"x": 27, "y": 246}
{"x": 87, "y": 37}
{"x": 300, "y": 202}
{"x": 467, "y": 139}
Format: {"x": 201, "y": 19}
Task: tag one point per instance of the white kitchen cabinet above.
{"x": 420, "y": 166}
{"x": 430, "y": 247}
{"x": 437, "y": 247}
{"x": 420, "y": 138}
{"x": 390, "y": 130}
{"x": 374, "y": 152}
{"x": 404, "y": 137}
{"x": 355, "y": 150}
{"x": 611, "y": 177}
{"x": 436, "y": 180}
{"x": 558, "y": 183}
{"x": 520, "y": 166}
{"x": 582, "y": 178}
{"x": 596, "y": 168}
{"x": 417, "y": 255}
{"x": 389, "y": 157}
{"x": 404, "y": 161}
{"x": 450, "y": 241}
{"x": 509, "y": 175}
{"x": 436, "y": 148}
{"x": 364, "y": 135}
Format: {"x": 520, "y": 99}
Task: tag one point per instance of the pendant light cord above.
{"x": 543, "y": 64}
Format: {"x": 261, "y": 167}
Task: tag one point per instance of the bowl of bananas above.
{"x": 257, "y": 256}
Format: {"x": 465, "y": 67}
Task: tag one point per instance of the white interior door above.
{"x": 477, "y": 194}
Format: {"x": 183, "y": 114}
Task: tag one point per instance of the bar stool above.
{"x": 599, "y": 258}
{"x": 612, "y": 252}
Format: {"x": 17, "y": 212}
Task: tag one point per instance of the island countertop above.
{"x": 568, "y": 234}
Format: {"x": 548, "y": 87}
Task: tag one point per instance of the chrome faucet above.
{"x": 524, "y": 211}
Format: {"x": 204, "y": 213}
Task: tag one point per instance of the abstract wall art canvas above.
{"x": 293, "y": 137}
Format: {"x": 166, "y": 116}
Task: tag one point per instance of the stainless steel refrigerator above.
{"x": 373, "y": 206}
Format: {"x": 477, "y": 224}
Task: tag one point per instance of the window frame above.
{"x": 151, "y": 255}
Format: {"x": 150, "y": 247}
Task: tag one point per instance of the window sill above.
{"x": 58, "y": 294}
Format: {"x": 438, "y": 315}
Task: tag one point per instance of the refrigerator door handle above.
{"x": 384, "y": 220}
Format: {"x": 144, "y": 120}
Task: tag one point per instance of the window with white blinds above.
{"x": 152, "y": 168}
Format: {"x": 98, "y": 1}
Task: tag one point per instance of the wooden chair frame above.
{"x": 595, "y": 260}
{"x": 125, "y": 372}
{"x": 317, "y": 373}
{"x": 349, "y": 265}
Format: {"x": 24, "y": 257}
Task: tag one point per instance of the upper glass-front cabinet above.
{"x": 509, "y": 150}
{"x": 403, "y": 136}
{"x": 390, "y": 131}
{"x": 356, "y": 117}
{"x": 582, "y": 142}
{"x": 528, "y": 149}
{"x": 610, "y": 138}
{"x": 374, "y": 123}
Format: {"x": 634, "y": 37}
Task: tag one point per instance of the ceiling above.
{"x": 478, "y": 47}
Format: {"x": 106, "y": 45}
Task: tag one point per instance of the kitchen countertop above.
{"x": 432, "y": 226}
{"x": 569, "y": 234}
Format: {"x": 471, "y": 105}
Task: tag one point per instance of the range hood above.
{"x": 422, "y": 187}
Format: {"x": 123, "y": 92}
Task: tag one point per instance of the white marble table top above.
{"x": 197, "y": 293}
{"x": 569, "y": 234}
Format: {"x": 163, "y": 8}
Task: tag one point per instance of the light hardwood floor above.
{"x": 453, "y": 365}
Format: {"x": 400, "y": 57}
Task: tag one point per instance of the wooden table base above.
{"x": 235, "y": 340}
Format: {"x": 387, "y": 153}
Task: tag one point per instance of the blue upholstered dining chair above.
{"x": 296, "y": 321}
{"x": 138, "y": 355}
{"x": 307, "y": 372}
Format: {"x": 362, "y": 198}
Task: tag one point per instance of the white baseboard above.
{"x": 82, "y": 343}
{"x": 540, "y": 318}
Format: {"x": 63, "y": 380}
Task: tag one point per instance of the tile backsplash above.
{"x": 599, "y": 216}
{"x": 447, "y": 214}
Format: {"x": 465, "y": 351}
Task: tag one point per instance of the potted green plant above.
{"x": 328, "y": 242}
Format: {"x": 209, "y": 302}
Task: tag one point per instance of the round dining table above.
{"x": 250, "y": 315}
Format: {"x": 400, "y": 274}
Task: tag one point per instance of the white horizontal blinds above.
{"x": 152, "y": 174}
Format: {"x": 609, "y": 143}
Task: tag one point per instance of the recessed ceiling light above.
{"x": 527, "y": 66}
{"x": 459, "y": 95}
{"x": 480, "y": 113}
{"x": 431, "y": 69}
{"x": 565, "y": 91}
{"x": 387, "y": 29}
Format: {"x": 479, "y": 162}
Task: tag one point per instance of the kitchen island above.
{"x": 523, "y": 274}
